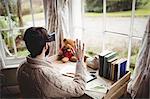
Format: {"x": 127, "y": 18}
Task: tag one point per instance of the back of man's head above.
{"x": 35, "y": 39}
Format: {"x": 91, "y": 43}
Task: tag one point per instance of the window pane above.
{"x": 19, "y": 10}
{"x": 20, "y": 44}
{"x": 117, "y": 43}
{"x": 9, "y": 40}
{"x": 92, "y": 42}
{"x": 93, "y": 26}
{"x": 38, "y": 10}
{"x": 92, "y": 35}
{"x": 141, "y": 17}
{"x": 26, "y": 13}
{"x": 118, "y": 15}
{"x": 23, "y": 13}
{"x": 3, "y": 16}
{"x": 136, "y": 44}
{"x": 7, "y": 43}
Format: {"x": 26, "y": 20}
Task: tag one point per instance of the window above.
{"x": 116, "y": 25}
{"x": 15, "y": 17}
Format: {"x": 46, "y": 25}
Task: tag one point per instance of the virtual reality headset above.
{"x": 51, "y": 37}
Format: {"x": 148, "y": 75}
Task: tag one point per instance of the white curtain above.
{"x": 2, "y": 53}
{"x": 1, "y": 61}
{"x": 77, "y": 20}
{"x": 55, "y": 15}
{"x": 140, "y": 84}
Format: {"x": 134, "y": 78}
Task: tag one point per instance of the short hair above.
{"x": 35, "y": 39}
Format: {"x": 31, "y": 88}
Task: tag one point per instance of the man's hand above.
{"x": 79, "y": 50}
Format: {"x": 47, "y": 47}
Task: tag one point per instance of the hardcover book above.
{"x": 122, "y": 67}
{"x": 113, "y": 70}
{"x": 109, "y": 63}
{"x": 101, "y": 61}
{"x": 105, "y": 66}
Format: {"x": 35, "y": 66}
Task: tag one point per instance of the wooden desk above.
{"x": 115, "y": 90}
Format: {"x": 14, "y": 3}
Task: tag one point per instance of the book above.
{"x": 113, "y": 70}
{"x": 116, "y": 71}
{"x": 122, "y": 67}
{"x": 106, "y": 59}
{"x": 101, "y": 61}
{"x": 119, "y": 68}
{"x": 109, "y": 63}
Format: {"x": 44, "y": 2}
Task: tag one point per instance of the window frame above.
{"x": 14, "y": 60}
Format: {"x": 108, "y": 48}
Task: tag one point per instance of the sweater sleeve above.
{"x": 58, "y": 85}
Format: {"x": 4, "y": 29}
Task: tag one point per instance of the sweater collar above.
{"x": 37, "y": 62}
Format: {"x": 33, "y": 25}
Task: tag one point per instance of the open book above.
{"x": 70, "y": 72}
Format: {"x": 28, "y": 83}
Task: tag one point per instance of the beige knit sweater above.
{"x": 38, "y": 79}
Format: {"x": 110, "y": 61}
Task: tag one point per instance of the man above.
{"x": 39, "y": 79}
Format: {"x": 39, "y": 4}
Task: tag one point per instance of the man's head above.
{"x": 35, "y": 39}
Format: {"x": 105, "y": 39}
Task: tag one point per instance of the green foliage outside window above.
{"x": 113, "y": 5}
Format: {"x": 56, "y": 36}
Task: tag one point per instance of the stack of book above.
{"x": 112, "y": 67}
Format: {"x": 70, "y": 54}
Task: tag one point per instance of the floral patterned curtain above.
{"x": 55, "y": 20}
{"x": 141, "y": 76}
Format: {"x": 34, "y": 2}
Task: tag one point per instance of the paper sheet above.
{"x": 96, "y": 87}
{"x": 70, "y": 72}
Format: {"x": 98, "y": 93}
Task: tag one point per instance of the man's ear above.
{"x": 46, "y": 46}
